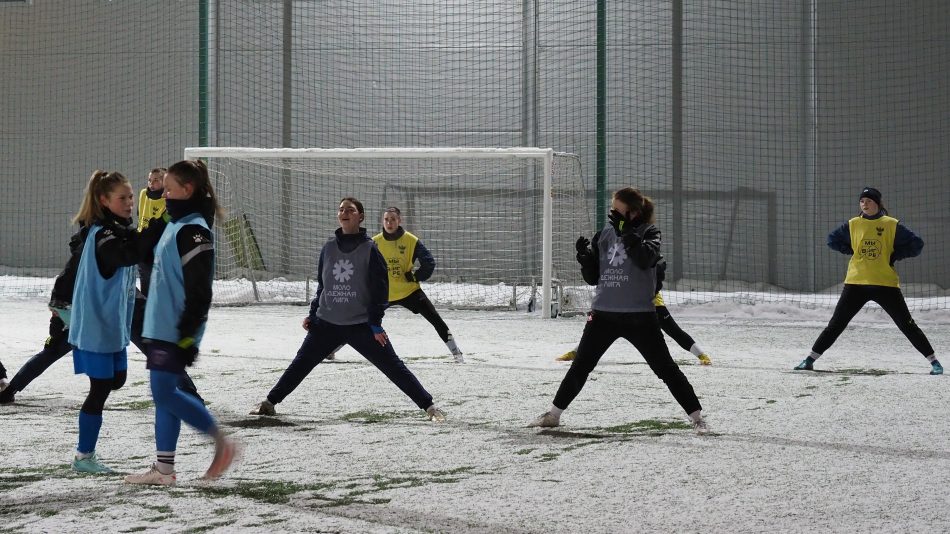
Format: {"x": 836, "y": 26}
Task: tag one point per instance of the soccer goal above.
{"x": 500, "y": 222}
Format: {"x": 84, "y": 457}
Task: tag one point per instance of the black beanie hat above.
{"x": 873, "y": 194}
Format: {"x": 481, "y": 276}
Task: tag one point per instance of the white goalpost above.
{"x": 500, "y": 222}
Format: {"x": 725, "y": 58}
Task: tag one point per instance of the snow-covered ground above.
{"x": 860, "y": 446}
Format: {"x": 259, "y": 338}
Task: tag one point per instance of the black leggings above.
{"x": 672, "y": 329}
{"x": 643, "y": 331}
{"x": 854, "y": 297}
{"x": 99, "y": 389}
{"x": 417, "y": 302}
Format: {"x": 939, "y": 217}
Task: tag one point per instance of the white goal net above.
{"x": 500, "y": 222}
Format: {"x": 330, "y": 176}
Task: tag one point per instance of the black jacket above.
{"x": 641, "y": 243}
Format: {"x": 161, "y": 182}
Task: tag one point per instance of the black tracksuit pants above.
{"x": 323, "y": 338}
{"x": 854, "y": 297}
{"x": 672, "y": 329}
{"x": 643, "y": 331}
{"x": 418, "y": 302}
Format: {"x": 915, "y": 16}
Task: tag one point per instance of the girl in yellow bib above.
{"x": 875, "y": 241}
{"x": 401, "y": 250}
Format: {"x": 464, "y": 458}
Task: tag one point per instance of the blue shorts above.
{"x": 99, "y": 364}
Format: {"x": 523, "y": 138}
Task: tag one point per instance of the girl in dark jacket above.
{"x": 621, "y": 262}
{"x": 352, "y": 295}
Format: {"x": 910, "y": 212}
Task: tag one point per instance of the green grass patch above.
{"x": 800, "y": 395}
{"x": 456, "y": 471}
{"x": 133, "y": 405}
{"x": 548, "y": 456}
{"x": 157, "y": 518}
{"x": 864, "y": 372}
{"x": 649, "y": 426}
{"x": 210, "y": 526}
{"x": 770, "y": 401}
{"x": 162, "y": 509}
{"x": 268, "y": 491}
{"x": 370, "y": 417}
{"x": 15, "y": 477}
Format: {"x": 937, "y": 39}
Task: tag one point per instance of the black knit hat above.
{"x": 873, "y": 194}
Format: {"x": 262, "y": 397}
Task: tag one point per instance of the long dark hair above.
{"x": 195, "y": 172}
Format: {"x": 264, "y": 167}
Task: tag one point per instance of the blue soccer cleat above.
{"x": 806, "y": 364}
{"x": 91, "y": 465}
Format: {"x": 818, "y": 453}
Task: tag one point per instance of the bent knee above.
{"x": 118, "y": 381}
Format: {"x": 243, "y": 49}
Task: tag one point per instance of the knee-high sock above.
{"x": 89, "y": 426}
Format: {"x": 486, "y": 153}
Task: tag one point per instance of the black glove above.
{"x": 582, "y": 246}
{"x": 187, "y": 351}
{"x": 411, "y": 276}
{"x": 630, "y": 238}
{"x": 617, "y": 221}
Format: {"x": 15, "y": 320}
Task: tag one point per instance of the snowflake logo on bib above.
{"x": 616, "y": 255}
{"x": 342, "y": 270}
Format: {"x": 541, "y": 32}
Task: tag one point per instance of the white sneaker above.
{"x": 458, "y": 357}
{"x": 3, "y": 384}
{"x": 700, "y": 426}
{"x": 547, "y": 419}
{"x": 264, "y": 408}
{"x": 435, "y": 414}
{"x": 152, "y": 477}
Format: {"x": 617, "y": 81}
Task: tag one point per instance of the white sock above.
{"x": 165, "y": 462}
{"x": 696, "y": 350}
{"x": 932, "y": 358}
{"x": 453, "y": 348}
{"x": 555, "y": 411}
{"x": 814, "y": 355}
{"x": 84, "y": 455}
{"x": 696, "y": 416}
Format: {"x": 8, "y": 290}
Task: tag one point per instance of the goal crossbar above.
{"x": 368, "y": 153}
{"x": 544, "y": 155}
